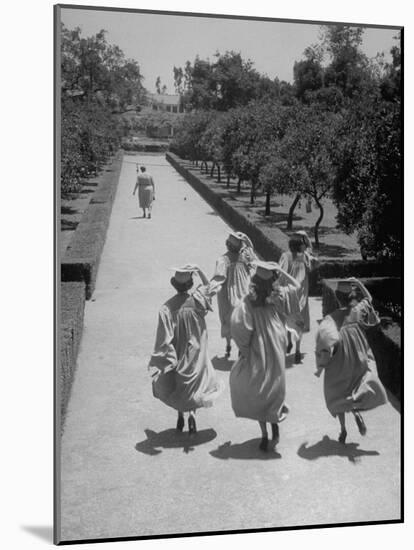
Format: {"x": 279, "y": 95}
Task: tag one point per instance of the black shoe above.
{"x": 275, "y": 432}
{"x": 264, "y": 444}
{"x": 298, "y": 358}
{"x": 342, "y": 436}
{"x": 180, "y": 423}
{"x": 360, "y": 423}
{"x": 192, "y": 428}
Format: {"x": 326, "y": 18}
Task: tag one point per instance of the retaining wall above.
{"x": 81, "y": 259}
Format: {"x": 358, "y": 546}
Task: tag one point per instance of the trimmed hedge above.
{"x": 72, "y": 303}
{"x": 82, "y": 256}
{"x": 270, "y": 249}
{"x": 386, "y": 349}
{"x": 79, "y": 268}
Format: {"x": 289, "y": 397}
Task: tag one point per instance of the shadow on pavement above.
{"x": 43, "y": 532}
{"x": 172, "y": 439}
{"x": 330, "y": 447}
{"x": 245, "y": 451}
{"x": 222, "y": 363}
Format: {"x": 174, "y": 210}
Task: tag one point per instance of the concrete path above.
{"x": 124, "y": 471}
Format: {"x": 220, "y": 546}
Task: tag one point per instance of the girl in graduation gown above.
{"x": 351, "y": 383}
{"x": 257, "y": 380}
{"x": 183, "y": 376}
{"x": 299, "y": 262}
{"x": 233, "y": 271}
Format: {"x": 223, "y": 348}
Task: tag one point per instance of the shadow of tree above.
{"x": 329, "y": 447}
{"x": 66, "y": 225}
{"x": 332, "y": 250}
{"x": 68, "y": 210}
{"x": 279, "y": 219}
{"x": 173, "y": 439}
{"x": 222, "y": 363}
{"x": 248, "y": 450}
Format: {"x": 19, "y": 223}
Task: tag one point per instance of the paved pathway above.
{"x": 124, "y": 470}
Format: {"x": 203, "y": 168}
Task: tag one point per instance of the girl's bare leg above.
{"x": 298, "y": 355}
{"x": 360, "y": 422}
{"x": 289, "y": 344}
{"x": 144, "y": 213}
{"x": 265, "y": 440}
{"x": 192, "y": 427}
{"x": 180, "y": 421}
{"x": 228, "y": 347}
{"x": 343, "y": 434}
{"x": 275, "y": 432}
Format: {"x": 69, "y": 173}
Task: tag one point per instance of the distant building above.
{"x": 169, "y": 103}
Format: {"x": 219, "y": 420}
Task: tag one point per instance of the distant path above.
{"x": 116, "y": 482}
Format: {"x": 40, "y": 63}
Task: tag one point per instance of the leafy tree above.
{"x": 247, "y": 136}
{"x": 308, "y": 74}
{"x": 305, "y": 158}
{"x": 391, "y": 81}
{"x": 178, "y": 80}
{"x": 349, "y": 68}
{"x": 224, "y": 83}
{"x": 368, "y": 188}
{"x": 96, "y": 79}
{"x": 212, "y": 142}
{"x": 187, "y": 142}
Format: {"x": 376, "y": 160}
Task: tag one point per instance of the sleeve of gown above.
{"x": 220, "y": 273}
{"x": 284, "y": 264}
{"x": 164, "y": 355}
{"x": 249, "y": 257}
{"x": 242, "y": 327}
{"x": 367, "y": 316}
{"x": 203, "y": 295}
{"x": 310, "y": 261}
{"x": 286, "y": 300}
{"x": 327, "y": 338}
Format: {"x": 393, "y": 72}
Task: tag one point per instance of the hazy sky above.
{"x": 158, "y": 42}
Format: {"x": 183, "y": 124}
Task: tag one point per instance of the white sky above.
{"x": 158, "y": 42}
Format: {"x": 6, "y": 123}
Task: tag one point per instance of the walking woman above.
{"x": 257, "y": 380}
{"x": 183, "y": 376}
{"x": 299, "y": 262}
{"x": 233, "y": 271}
{"x": 146, "y": 191}
{"x": 351, "y": 384}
